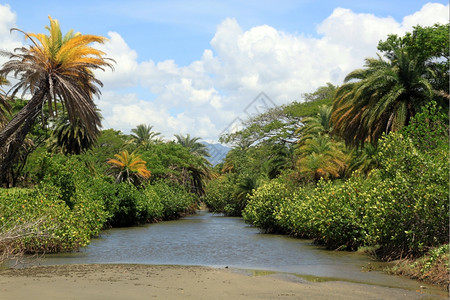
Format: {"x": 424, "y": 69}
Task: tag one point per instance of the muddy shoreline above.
{"x": 114, "y": 281}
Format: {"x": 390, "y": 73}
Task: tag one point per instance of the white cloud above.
{"x": 430, "y": 14}
{"x": 211, "y": 92}
{"x": 125, "y": 66}
{"x": 7, "y": 20}
{"x": 354, "y": 37}
{"x": 205, "y": 96}
{"x": 8, "y": 40}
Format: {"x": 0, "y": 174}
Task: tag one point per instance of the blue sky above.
{"x": 193, "y": 66}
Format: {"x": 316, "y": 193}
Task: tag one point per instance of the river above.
{"x": 205, "y": 239}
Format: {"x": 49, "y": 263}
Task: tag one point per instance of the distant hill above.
{"x": 218, "y": 152}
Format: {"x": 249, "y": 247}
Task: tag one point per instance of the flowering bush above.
{"x": 401, "y": 208}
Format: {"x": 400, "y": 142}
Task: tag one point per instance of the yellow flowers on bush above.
{"x": 402, "y": 208}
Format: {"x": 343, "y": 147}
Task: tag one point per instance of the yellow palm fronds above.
{"x": 130, "y": 166}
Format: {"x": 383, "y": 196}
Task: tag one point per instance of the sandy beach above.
{"x": 178, "y": 282}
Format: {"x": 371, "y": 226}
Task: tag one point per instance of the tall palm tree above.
{"x": 193, "y": 144}
{"x": 382, "y": 97}
{"x": 198, "y": 173}
{"x": 56, "y": 68}
{"x": 129, "y": 167}
{"x": 143, "y": 135}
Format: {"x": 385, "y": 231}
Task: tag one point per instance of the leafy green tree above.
{"x": 143, "y": 135}
{"x": 428, "y": 44}
{"x": 174, "y": 162}
{"x": 278, "y": 125}
{"x": 322, "y": 93}
{"x": 429, "y": 129}
{"x": 129, "y": 167}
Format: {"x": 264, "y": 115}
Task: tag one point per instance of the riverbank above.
{"x": 179, "y": 282}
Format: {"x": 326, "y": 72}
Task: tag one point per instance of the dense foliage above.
{"x": 402, "y": 208}
{"x": 365, "y": 164}
{"x": 70, "y": 205}
{"x": 369, "y": 170}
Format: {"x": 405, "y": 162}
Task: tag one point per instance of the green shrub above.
{"x": 123, "y": 204}
{"x": 401, "y": 209}
{"x": 264, "y": 205}
{"x": 410, "y": 208}
{"x": 151, "y": 208}
{"x": 335, "y": 214}
{"x": 175, "y": 199}
{"x": 62, "y": 172}
{"x": 219, "y": 195}
{"x": 128, "y": 205}
{"x": 54, "y": 226}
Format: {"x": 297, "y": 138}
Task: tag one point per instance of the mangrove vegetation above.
{"x": 360, "y": 165}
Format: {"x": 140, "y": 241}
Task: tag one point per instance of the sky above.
{"x": 201, "y": 67}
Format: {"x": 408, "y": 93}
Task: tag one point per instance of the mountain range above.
{"x": 218, "y": 152}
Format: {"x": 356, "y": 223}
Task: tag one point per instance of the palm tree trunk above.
{"x": 11, "y": 149}
{"x": 26, "y": 112}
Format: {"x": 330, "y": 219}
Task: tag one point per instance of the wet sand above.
{"x": 178, "y": 282}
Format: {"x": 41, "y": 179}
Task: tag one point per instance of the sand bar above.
{"x": 178, "y": 282}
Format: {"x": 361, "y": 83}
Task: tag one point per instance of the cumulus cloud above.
{"x": 210, "y": 93}
{"x": 430, "y": 14}
{"x": 205, "y": 96}
{"x": 8, "y": 40}
{"x": 7, "y": 20}
{"x": 125, "y": 65}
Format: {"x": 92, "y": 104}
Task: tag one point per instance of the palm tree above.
{"x": 363, "y": 160}
{"x": 129, "y": 167}
{"x": 143, "y": 135}
{"x": 244, "y": 189}
{"x": 382, "y": 97}
{"x": 318, "y": 124}
{"x": 55, "y": 69}
{"x": 192, "y": 144}
{"x": 281, "y": 157}
{"x": 70, "y": 138}
{"x": 321, "y": 157}
{"x": 198, "y": 173}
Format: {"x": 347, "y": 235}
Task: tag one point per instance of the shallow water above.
{"x": 206, "y": 239}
